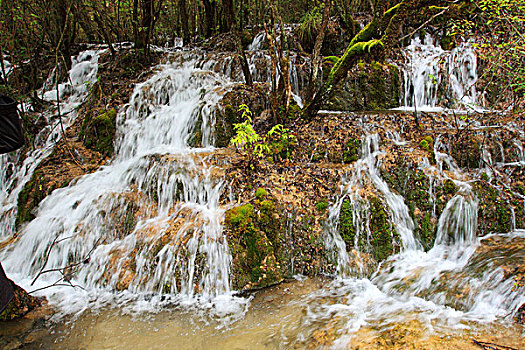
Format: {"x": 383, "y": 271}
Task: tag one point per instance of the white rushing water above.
{"x": 433, "y": 76}
{"x": 445, "y": 288}
{"x": 364, "y": 180}
{"x": 149, "y": 223}
{"x": 16, "y": 171}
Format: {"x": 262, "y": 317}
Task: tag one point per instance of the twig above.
{"x": 62, "y": 270}
{"x": 45, "y": 261}
{"x": 491, "y": 346}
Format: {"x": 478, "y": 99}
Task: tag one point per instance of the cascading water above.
{"x": 432, "y": 75}
{"x": 16, "y": 171}
{"x": 150, "y": 222}
{"x": 448, "y": 286}
{"x": 365, "y": 179}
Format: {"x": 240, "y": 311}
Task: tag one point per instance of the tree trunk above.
{"x": 183, "y": 10}
{"x": 229, "y": 14}
{"x": 316, "y": 57}
{"x": 209, "y": 13}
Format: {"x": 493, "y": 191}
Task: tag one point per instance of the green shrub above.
{"x": 261, "y": 193}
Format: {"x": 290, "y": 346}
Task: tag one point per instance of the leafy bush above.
{"x": 309, "y": 28}
{"x": 278, "y": 142}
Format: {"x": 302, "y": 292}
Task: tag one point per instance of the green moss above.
{"x": 351, "y": 151}
{"x": 322, "y": 205}
{"x": 261, "y": 193}
{"x": 98, "y": 132}
{"x": 494, "y": 214}
{"x": 369, "y": 86}
{"x": 346, "y": 224}
{"x": 413, "y": 185}
{"x": 241, "y": 216}
{"x": 34, "y": 191}
{"x": 429, "y": 139}
{"x": 449, "y": 187}
{"x": 331, "y": 59}
{"x": 252, "y": 240}
{"x": 384, "y": 237}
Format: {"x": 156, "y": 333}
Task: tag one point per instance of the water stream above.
{"x": 171, "y": 240}
{"x": 133, "y": 247}
{"x": 17, "y": 168}
{"x": 436, "y": 79}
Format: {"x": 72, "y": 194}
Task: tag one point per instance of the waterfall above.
{"x": 432, "y": 75}
{"x": 150, "y": 221}
{"x": 365, "y": 179}
{"x": 454, "y": 283}
{"x": 16, "y": 171}
{"x": 257, "y": 42}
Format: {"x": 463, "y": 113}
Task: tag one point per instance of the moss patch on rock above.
{"x": 98, "y": 132}
{"x": 384, "y": 240}
{"x": 252, "y": 237}
{"x": 369, "y": 86}
{"x": 494, "y": 214}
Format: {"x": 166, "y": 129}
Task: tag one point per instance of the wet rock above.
{"x": 21, "y": 304}
{"x": 98, "y": 132}
{"x": 368, "y": 86}
{"x": 520, "y": 315}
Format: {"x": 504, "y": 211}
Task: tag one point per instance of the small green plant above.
{"x": 278, "y": 142}
{"x": 424, "y": 145}
{"x": 322, "y": 205}
{"x": 261, "y": 193}
{"x": 309, "y": 27}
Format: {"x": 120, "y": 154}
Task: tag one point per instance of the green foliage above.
{"x": 240, "y": 217}
{"x": 498, "y": 30}
{"x": 309, "y": 27}
{"x": 261, "y": 193}
{"x": 424, "y": 145}
{"x": 351, "y": 151}
{"x": 278, "y": 142}
{"x": 322, "y": 205}
{"x": 281, "y": 142}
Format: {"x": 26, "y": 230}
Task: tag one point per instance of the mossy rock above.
{"x": 494, "y": 214}
{"x": 98, "y": 132}
{"x": 413, "y": 185}
{"x": 346, "y": 224}
{"x": 252, "y": 238}
{"x": 368, "y": 86}
{"x": 322, "y": 205}
{"x": 384, "y": 239}
{"x": 33, "y": 192}
{"x": 21, "y": 304}
{"x": 351, "y": 150}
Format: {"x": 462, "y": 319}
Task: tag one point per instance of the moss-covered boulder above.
{"x": 252, "y": 236}
{"x": 98, "y": 132}
{"x": 368, "y": 86}
{"x": 20, "y": 305}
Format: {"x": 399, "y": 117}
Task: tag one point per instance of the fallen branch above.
{"x": 492, "y": 346}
